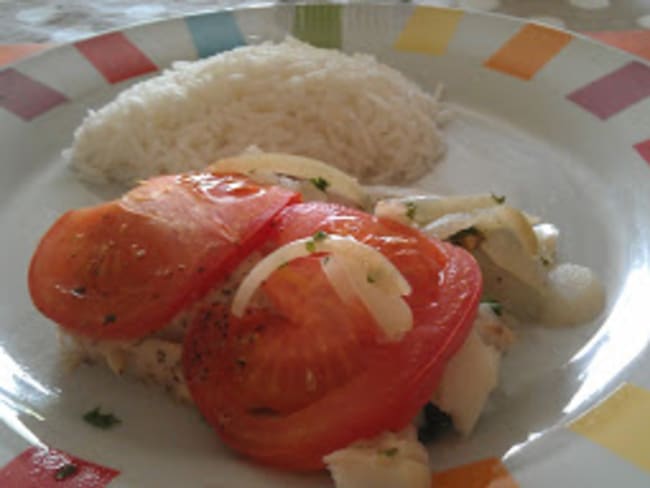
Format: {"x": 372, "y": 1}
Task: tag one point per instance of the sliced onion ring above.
{"x": 300, "y": 167}
{"x": 357, "y": 268}
{"x": 389, "y": 310}
{"x": 423, "y": 209}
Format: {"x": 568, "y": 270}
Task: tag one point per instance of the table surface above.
{"x": 43, "y": 21}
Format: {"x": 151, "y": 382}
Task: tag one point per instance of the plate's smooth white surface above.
{"x": 521, "y": 139}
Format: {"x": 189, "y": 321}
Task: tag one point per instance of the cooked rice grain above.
{"x": 350, "y": 111}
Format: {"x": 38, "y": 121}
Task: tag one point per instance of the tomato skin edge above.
{"x": 123, "y": 297}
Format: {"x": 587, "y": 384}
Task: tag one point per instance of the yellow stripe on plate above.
{"x": 621, "y": 423}
{"x": 429, "y": 30}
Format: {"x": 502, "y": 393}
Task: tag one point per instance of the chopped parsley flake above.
{"x": 96, "y": 418}
{"x": 371, "y": 279}
{"x": 496, "y": 307}
{"x": 317, "y": 237}
{"x": 410, "y": 210}
{"x": 320, "y": 183}
{"x": 65, "y": 471}
{"x": 390, "y": 452}
{"x": 500, "y": 199}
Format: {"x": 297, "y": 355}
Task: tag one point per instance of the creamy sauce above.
{"x": 575, "y": 295}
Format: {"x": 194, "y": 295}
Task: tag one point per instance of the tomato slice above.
{"x": 123, "y": 269}
{"x": 309, "y": 374}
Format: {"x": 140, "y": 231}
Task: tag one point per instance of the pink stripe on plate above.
{"x": 643, "y": 148}
{"x": 116, "y": 57}
{"x": 25, "y": 97}
{"x": 614, "y": 92}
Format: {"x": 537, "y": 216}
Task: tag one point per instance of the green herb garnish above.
{"x": 96, "y": 418}
{"x": 317, "y": 237}
{"x": 496, "y": 307}
{"x": 65, "y": 472}
{"x": 390, "y": 452}
{"x": 320, "y": 183}
{"x": 500, "y": 199}
{"x": 410, "y": 210}
{"x": 371, "y": 279}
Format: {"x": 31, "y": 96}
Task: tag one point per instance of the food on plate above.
{"x": 516, "y": 252}
{"x": 307, "y": 372}
{"x": 470, "y": 376}
{"x": 314, "y": 179}
{"x": 362, "y": 116}
{"x": 391, "y": 460}
{"x": 97, "y": 418}
{"x": 308, "y": 332}
{"x": 123, "y": 269}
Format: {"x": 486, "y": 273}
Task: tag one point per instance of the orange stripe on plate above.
{"x": 482, "y": 474}
{"x": 528, "y": 51}
{"x": 620, "y": 423}
{"x": 429, "y": 30}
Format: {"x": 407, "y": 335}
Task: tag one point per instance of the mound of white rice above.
{"x": 351, "y": 111}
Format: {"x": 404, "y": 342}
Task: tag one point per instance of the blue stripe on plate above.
{"x": 214, "y": 32}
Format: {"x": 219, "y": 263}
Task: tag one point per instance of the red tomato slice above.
{"x": 123, "y": 269}
{"x": 309, "y": 374}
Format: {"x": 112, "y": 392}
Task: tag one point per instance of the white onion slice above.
{"x": 509, "y": 240}
{"x": 355, "y": 268}
{"x": 389, "y": 310}
{"x": 300, "y": 167}
{"x": 339, "y": 277}
{"x": 547, "y": 236}
{"x": 422, "y": 209}
{"x": 448, "y": 225}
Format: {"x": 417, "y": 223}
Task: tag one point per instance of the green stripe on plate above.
{"x": 318, "y": 25}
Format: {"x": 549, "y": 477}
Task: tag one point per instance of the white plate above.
{"x": 521, "y": 138}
